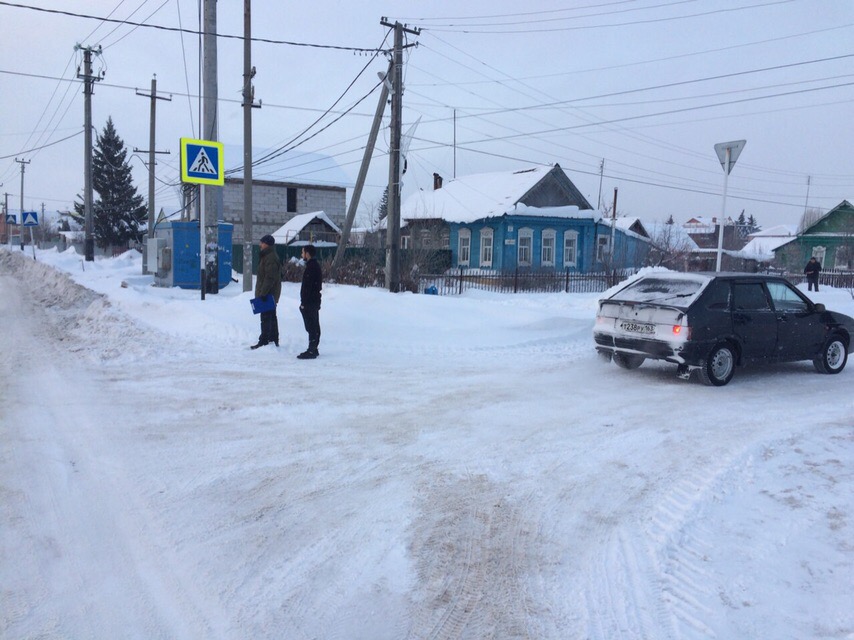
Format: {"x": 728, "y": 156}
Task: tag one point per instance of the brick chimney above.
{"x": 437, "y": 181}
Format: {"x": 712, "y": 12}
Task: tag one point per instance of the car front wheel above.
{"x": 719, "y": 367}
{"x": 833, "y": 356}
{"x": 628, "y": 360}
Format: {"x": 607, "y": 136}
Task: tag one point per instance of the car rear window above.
{"x": 660, "y": 289}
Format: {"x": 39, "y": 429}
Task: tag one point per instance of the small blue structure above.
{"x": 173, "y": 255}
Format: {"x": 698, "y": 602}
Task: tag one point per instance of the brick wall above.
{"x": 270, "y": 205}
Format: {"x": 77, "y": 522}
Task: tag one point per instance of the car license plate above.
{"x": 637, "y": 327}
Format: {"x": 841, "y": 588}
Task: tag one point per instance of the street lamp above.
{"x": 728, "y": 153}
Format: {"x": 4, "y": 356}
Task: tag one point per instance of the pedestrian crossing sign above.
{"x": 11, "y": 218}
{"x": 31, "y": 219}
{"x": 202, "y": 162}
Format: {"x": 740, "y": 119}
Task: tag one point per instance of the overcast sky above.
{"x": 646, "y": 86}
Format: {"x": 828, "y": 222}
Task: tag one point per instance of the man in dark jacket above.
{"x": 812, "y": 270}
{"x": 269, "y": 281}
{"x": 309, "y": 301}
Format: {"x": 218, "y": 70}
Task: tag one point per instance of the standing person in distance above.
{"x": 309, "y": 301}
{"x": 269, "y": 281}
{"x": 812, "y": 270}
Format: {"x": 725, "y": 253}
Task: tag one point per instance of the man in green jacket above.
{"x": 269, "y": 281}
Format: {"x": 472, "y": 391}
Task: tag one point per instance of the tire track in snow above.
{"x": 476, "y": 559}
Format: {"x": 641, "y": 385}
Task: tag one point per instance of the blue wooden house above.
{"x": 533, "y": 219}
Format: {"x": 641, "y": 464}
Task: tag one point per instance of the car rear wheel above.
{"x": 833, "y": 356}
{"x": 719, "y": 367}
{"x": 628, "y": 360}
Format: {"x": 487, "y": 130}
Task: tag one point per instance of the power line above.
{"x": 189, "y": 31}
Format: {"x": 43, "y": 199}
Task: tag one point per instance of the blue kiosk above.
{"x": 173, "y": 255}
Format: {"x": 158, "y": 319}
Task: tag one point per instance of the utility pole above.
{"x": 363, "y": 172}
{"x": 213, "y": 197}
{"x": 23, "y": 164}
{"x": 392, "y": 268}
{"x": 601, "y": 174}
{"x": 248, "y": 105}
{"x": 6, "y": 213}
{"x": 88, "y": 84}
{"x": 613, "y": 228}
{"x": 151, "y": 151}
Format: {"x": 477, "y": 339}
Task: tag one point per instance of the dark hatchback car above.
{"x": 711, "y": 322}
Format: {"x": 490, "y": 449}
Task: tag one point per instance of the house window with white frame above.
{"x": 464, "y": 255}
{"x": 819, "y": 253}
{"x": 570, "y": 248}
{"x": 844, "y": 258}
{"x": 404, "y": 242}
{"x": 525, "y": 249}
{"x": 548, "y": 251}
{"x": 486, "y": 236}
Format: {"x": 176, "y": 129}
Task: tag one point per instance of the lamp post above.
{"x": 728, "y": 153}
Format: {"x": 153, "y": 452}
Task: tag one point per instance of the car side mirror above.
{"x": 819, "y": 307}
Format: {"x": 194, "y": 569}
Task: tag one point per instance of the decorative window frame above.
{"x": 464, "y": 248}
{"x": 548, "y": 234}
{"x": 525, "y": 233}
{"x": 570, "y": 261}
{"x": 487, "y": 247}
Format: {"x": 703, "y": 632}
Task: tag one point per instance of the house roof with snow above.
{"x": 295, "y": 167}
{"x": 290, "y": 231}
{"x": 543, "y": 191}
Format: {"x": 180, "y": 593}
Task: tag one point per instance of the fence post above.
{"x": 566, "y": 287}
{"x": 461, "y": 281}
{"x": 516, "y": 280}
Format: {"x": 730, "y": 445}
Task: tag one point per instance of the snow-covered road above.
{"x": 448, "y": 468}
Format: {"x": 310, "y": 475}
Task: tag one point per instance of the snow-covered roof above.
{"x": 483, "y": 195}
{"x": 299, "y": 167}
{"x": 762, "y": 244}
{"x": 781, "y": 230}
{"x": 289, "y": 231}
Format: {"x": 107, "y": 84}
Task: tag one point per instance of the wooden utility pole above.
{"x": 248, "y": 105}
{"x": 151, "y": 151}
{"x": 363, "y": 172}
{"x": 392, "y": 268}
{"x": 23, "y": 164}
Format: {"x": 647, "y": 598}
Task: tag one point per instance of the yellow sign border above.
{"x": 185, "y": 177}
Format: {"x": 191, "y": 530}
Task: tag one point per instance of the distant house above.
{"x": 308, "y": 228}
{"x": 283, "y": 186}
{"x": 705, "y": 233}
{"x": 533, "y": 218}
{"x": 830, "y": 239}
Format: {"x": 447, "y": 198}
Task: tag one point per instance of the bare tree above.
{"x": 810, "y": 217}
{"x": 671, "y": 247}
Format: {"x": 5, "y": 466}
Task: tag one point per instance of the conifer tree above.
{"x": 118, "y": 215}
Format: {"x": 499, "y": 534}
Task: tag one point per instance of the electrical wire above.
{"x": 188, "y": 31}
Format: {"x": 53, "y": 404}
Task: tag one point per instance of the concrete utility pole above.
{"x": 88, "y": 84}
{"x": 151, "y": 151}
{"x": 213, "y": 196}
{"x": 363, "y": 172}
{"x": 392, "y": 267}
{"x": 6, "y": 213}
{"x": 23, "y": 164}
{"x": 248, "y": 105}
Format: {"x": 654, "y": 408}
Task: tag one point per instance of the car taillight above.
{"x": 682, "y": 332}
